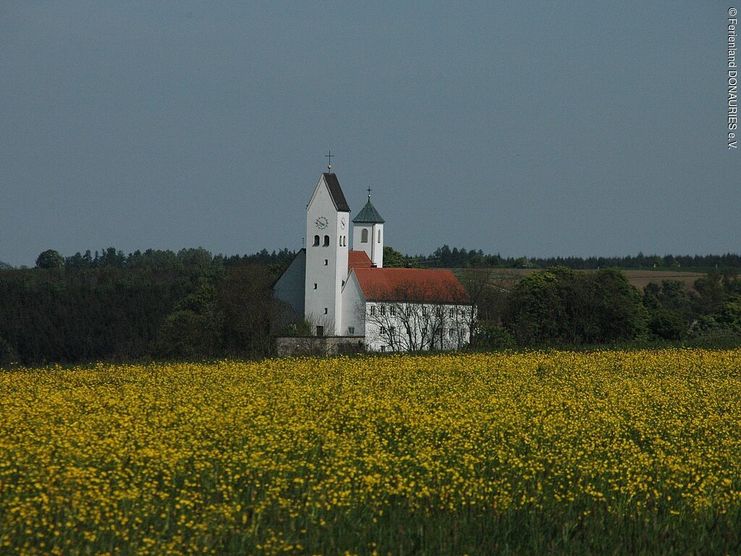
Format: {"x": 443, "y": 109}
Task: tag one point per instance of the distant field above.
{"x": 506, "y": 278}
{"x": 538, "y": 453}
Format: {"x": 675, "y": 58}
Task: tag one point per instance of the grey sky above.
{"x": 526, "y": 128}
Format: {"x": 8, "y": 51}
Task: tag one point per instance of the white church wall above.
{"x": 342, "y": 253}
{"x": 401, "y": 326}
{"x": 353, "y": 308}
{"x": 373, "y": 247}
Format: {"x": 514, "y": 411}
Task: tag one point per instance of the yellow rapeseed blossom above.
{"x": 236, "y": 456}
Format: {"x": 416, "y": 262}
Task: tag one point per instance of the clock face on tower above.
{"x": 321, "y": 222}
{"x": 342, "y": 222}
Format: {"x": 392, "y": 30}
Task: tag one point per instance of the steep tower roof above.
{"x": 368, "y": 215}
{"x": 335, "y": 191}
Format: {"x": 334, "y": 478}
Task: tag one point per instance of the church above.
{"x": 339, "y": 286}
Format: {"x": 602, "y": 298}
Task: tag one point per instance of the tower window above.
{"x": 364, "y": 236}
{"x": 325, "y": 310}
{"x": 314, "y": 285}
{"x": 326, "y": 241}
{"x": 379, "y": 236}
{"x": 316, "y": 241}
{"x": 326, "y": 262}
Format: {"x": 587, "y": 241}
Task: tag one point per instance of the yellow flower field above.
{"x": 444, "y": 453}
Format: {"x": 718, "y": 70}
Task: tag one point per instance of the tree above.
{"x": 49, "y": 259}
{"x": 193, "y": 329}
{"x": 565, "y": 306}
{"x": 392, "y": 258}
{"x": 670, "y": 309}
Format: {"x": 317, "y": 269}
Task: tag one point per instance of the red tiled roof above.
{"x": 358, "y": 259}
{"x": 411, "y": 285}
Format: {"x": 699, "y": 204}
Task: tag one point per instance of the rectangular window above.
{"x": 383, "y": 310}
{"x": 326, "y": 262}
{"x": 320, "y": 331}
{"x": 383, "y": 330}
{"x": 325, "y": 310}
{"x": 383, "y": 348}
{"x": 373, "y": 310}
{"x": 451, "y": 312}
{"x": 351, "y": 330}
{"x": 314, "y": 285}
{"x": 392, "y": 310}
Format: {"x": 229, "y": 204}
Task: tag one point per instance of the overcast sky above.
{"x": 524, "y": 128}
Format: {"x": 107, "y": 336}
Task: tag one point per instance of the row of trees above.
{"x": 442, "y": 257}
{"x": 153, "y": 304}
{"x": 561, "y": 306}
{"x": 190, "y": 304}
{"x": 445, "y": 257}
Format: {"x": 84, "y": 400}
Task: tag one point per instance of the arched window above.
{"x": 364, "y": 236}
{"x": 326, "y": 241}
{"x": 316, "y": 241}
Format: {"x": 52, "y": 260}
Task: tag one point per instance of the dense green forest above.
{"x": 445, "y": 257}
{"x": 160, "y": 304}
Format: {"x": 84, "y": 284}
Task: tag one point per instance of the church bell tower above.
{"x": 327, "y": 229}
{"x": 368, "y": 233}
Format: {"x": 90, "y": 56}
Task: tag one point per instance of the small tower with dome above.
{"x": 368, "y": 233}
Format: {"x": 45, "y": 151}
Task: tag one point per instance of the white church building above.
{"x": 346, "y": 292}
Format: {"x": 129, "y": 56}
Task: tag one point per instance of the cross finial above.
{"x": 329, "y": 155}
{"x": 369, "y": 192}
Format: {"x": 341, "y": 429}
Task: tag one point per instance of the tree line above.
{"x": 564, "y": 307}
{"x": 445, "y": 257}
{"x": 191, "y": 304}
{"x": 156, "y": 304}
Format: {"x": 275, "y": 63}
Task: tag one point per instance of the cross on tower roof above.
{"x": 369, "y": 192}
{"x": 329, "y": 155}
